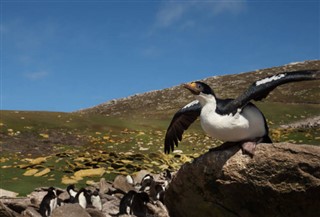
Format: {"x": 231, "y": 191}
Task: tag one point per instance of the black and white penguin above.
{"x": 157, "y": 191}
{"x": 72, "y": 193}
{"x": 146, "y": 182}
{"x": 125, "y": 203}
{"x": 83, "y": 197}
{"x": 96, "y": 200}
{"x": 234, "y": 121}
{"x": 138, "y": 206}
{"x": 134, "y": 203}
{"x": 167, "y": 178}
{"x": 49, "y": 202}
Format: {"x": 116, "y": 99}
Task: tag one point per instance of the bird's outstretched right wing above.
{"x": 261, "y": 88}
{"x": 179, "y": 123}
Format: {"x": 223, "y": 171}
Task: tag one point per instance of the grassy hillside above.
{"x": 165, "y": 102}
{"x": 126, "y": 135}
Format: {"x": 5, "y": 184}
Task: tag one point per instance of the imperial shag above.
{"x": 231, "y": 120}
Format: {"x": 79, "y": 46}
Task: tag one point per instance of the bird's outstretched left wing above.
{"x": 179, "y": 123}
{"x": 261, "y": 88}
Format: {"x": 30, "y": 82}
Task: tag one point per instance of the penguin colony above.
{"x": 134, "y": 202}
{"x": 148, "y": 190}
{"x": 84, "y": 197}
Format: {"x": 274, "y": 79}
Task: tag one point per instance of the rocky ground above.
{"x": 110, "y": 193}
{"x": 312, "y": 122}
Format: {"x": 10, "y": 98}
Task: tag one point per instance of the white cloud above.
{"x": 223, "y": 6}
{"x": 184, "y": 13}
{"x": 37, "y": 75}
{"x": 171, "y": 13}
{"x": 151, "y": 51}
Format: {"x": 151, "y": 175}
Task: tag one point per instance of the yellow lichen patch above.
{"x": 90, "y": 172}
{"x": 141, "y": 133}
{"x": 23, "y": 166}
{"x": 44, "y": 135}
{"x": 126, "y": 161}
{"x": 6, "y": 166}
{"x": 43, "y": 172}
{"x": 106, "y": 137}
{"x": 163, "y": 167}
{"x": 80, "y": 159}
{"x": 78, "y": 178}
{"x": 3, "y": 159}
{"x": 68, "y": 181}
{"x": 90, "y": 182}
{"x": 38, "y": 160}
{"x": 30, "y": 172}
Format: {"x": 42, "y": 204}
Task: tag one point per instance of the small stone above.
{"x": 6, "y": 193}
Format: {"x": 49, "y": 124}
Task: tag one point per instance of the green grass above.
{"x": 13, "y": 179}
{"x": 281, "y": 113}
{"x": 139, "y": 135}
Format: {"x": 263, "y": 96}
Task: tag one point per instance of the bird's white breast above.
{"x": 96, "y": 202}
{"x": 245, "y": 125}
{"x": 72, "y": 193}
{"x": 82, "y": 200}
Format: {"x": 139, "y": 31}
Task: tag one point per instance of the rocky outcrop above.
{"x": 280, "y": 180}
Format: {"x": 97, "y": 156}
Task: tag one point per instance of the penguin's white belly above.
{"x": 247, "y": 125}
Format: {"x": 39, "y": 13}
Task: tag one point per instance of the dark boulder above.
{"x": 280, "y": 180}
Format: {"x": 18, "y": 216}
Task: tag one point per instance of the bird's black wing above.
{"x": 179, "y": 123}
{"x": 261, "y": 88}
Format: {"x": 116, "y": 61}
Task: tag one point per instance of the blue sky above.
{"x": 68, "y": 55}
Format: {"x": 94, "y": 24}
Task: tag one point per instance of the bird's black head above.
{"x": 198, "y": 87}
{"x": 70, "y": 187}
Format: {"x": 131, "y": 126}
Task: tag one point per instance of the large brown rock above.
{"x": 70, "y": 210}
{"x": 280, "y": 180}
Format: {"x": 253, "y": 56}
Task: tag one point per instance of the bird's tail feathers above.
{"x": 266, "y": 139}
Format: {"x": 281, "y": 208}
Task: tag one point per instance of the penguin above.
{"x": 96, "y": 200}
{"x": 167, "y": 175}
{"x": 157, "y": 191}
{"x": 72, "y": 193}
{"x": 234, "y": 121}
{"x": 134, "y": 203}
{"x": 125, "y": 203}
{"x": 48, "y": 203}
{"x": 167, "y": 178}
{"x": 146, "y": 182}
{"x": 83, "y": 197}
{"x": 129, "y": 179}
{"x": 138, "y": 206}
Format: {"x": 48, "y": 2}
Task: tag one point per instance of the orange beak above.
{"x": 192, "y": 87}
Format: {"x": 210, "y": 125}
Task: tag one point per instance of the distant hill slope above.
{"x": 160, "y": 103}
